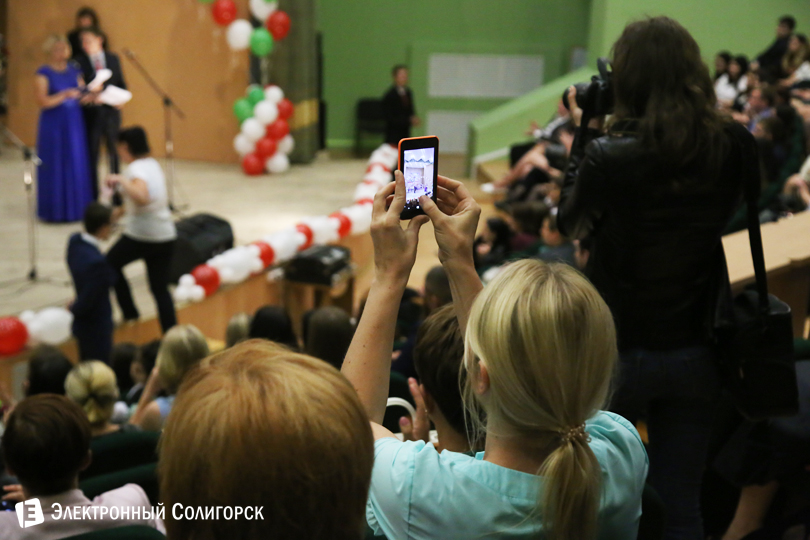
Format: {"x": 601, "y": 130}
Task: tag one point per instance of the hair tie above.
{"x": 576, "y": 433}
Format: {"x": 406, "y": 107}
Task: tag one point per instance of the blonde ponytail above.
{"x": 92, "y": 385}
{"x": 548, "y": 342}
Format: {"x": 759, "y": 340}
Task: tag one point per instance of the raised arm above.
{"x": 368, "y": 361}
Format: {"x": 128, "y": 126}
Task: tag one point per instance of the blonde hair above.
{"x": 180, "y": 349}
{"x": 92, "y": 385}
{"x": 272, "y": 422}
{"x": 238, "y": 329}
{"x": 53, "y": 39}
{"x": 548, "y": 342}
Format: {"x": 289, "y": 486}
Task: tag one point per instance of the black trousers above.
{"x": 102, "y": 122}
{"x": 158, "y": 258}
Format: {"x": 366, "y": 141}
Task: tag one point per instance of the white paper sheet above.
{"x": 112, "y": 95}
{"x": 102, "y": 76}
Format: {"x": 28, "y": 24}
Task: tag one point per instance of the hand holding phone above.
{"x": 419, "y": 163}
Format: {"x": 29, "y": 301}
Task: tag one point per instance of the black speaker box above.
{"x": 199, "y": 237}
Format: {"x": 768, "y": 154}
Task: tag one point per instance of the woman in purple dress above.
{"x": 63, "y": 186}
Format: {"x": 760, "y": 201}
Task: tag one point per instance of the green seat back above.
{"x": 119, "y": 451}
{"x": 130, "y": 532}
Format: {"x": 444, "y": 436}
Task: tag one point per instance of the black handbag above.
{"x": 753, "y": 331}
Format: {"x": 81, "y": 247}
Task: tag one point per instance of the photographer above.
{"x": 655, "y": 193}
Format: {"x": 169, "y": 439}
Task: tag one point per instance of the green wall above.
{"x": 363, "y": 39}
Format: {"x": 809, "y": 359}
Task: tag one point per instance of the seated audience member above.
{"x": 492, "y": 247}
{"x": 273, "y": 323}
{"x": 721, "y": 62}
{"x": 438, "y": 354}
{"x": 329, "y": 333}
{"x": 797, "y": 189}
{"x": 540, "y": 354}
{"x": 47, "y": 370}
{"x": 556, "y": 247}
{"x": 142, "y": 365}
{"x": 92, "y": 385}
{"x": 238, "y": 329}
{"x": 760, "y": 106}
{"x": 770, "y": 60}
{"x": 796, "y": 62}
{"x": 121, "y": 359}
{"x": 181, "y": 349}
{"x": 46, "y": 444}
{"x": 305, "y": 452}
{"x": 527, "y": 218}
{"x": 732, "y": 83}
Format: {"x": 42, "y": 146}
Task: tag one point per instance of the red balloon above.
{"x": 13, "y": 335}
{"x": 266, "y": 147}
{"x": 224, "y": 12}
{"x": 372, "y": 165}
{"x": 278, "y": 24}
{"x": 252, "y": 164}
{"x": 367, "y": 200}
{"x": 285, "y": 109}
{"x": 206, "y": 277}
{"x": 345, "y": 224}
{"x": 278, "y": 129}
{"x": 266, "y": 253}
{"x": 304, "y": 228}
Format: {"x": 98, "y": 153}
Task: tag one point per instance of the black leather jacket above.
{"x": 656, "y": 241}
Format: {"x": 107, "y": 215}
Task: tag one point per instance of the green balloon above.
{"x": 261, "y": 42}
{"x": 255, "y": 95}
{"x": 243, "y": 109}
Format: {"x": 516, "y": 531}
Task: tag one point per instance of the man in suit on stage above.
{"x": 101, "y": 120}
{"x": 398, "y": 108}
{"x": 92, "y": 278}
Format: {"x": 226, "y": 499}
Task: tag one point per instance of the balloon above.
{"x": 186, "y": 280}
{"x": 261, "y": 9}
{"x": 52, "y": 326}
{"x": 243, "y": 145}
{"x": 13, "y": 335}
{"x": 273, "y": 93}
{"x": 255, "y": 94}
{"x": 285, "y": 109}
{"x": 278, "y": 129}
{"x": 286, "y": 145}
{"x": 265, "y": 111}
{"x": 304, "y": 229}
{"x": 196, "y": 293}
{"x": 261, "y": 42}
{"x": 243, "y": 109}
{"x": 238, "y": 34}
{"x": 266, "y": 253}
{"x": 253, "y": 129}
{"x": 365, "y": 201}
{"x": 206, "y": 277}
{"x": 265, "y": 148}
{"x": 279, "y": 25}
{"x": 277, "y": 164}
{"x": 252, "y": 164}
{"x": 345, "y": 223}
{"x": 224, "y": 12}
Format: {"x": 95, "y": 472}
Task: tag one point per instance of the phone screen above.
{"x": 418, "y": 172}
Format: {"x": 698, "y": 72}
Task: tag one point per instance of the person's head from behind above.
{"x": 400, "y": 75}
{"x": 238, "y": 329}
{"x": 437, "y": 289}
{"x": 181, "y": 349}
{"x": 540, "y": 351}
{"x": 660, "y": 79}
{"x": 550, "y": 233}
{"x": 87, "y": 17}
{"x": 274, "y": 324}
{"x": 98, "y": 220}
{"x": 122, "y": 357}
{"x": 528, "y": 216}
{"x": 92, "y": 40}
{"x": 93, "y": 386}
{"x": 798, "y": 44}
{"x": 57, "y": 48}
{"x": 133, "y": 144}
{"x": 47, "y": 370}
{"x": 144, "y": 362}
{"x": 785, "y": 26}
{"x": 329, "y": 334}
{"x": 497, "y": 232}
{"x": 46, "y": 444}
{"x": 738, "y": 67}
{"x": 721, "y": 62}
{"x": 272, "y": 422}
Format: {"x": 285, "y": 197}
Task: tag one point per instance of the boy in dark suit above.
{"x": 92, "y": 277}
{"x": 398, "y": 108}
{"x": 100, "y": 120}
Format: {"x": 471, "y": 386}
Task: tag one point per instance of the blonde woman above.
{"x": 540, "y": 352}
{"x": 92, "y": 384}
{"x": 181, "y": 349}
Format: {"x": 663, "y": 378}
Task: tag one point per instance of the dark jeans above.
{"x": 158, "y": 258}
{"x": 104, "y": 122}
{"x": 676, "y": 391}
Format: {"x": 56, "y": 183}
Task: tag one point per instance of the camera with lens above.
{"x": 595, "y": 98}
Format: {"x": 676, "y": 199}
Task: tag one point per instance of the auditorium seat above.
{"x": 144, "y": 476}
{"x": 132, "y": 532}
{"x": 120, "y": 451}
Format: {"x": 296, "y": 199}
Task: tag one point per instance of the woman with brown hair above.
{"x": 655, "y": 193}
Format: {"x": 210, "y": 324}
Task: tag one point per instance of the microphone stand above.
{"x": 31, "y": 161}
{"x": 168, "y": 106}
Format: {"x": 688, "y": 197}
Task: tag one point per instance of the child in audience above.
{"x": 121, "y": 359}
{"x": 492, "y": 247}
{"x": 329, "y": 333}
{"x": 92, "y": 385}
{"x": 181, "y": 349}
{"x": 274, "y": 324}
{"x": 304, "y": 449}
{"x": 46, "y": 444}
{"x": 47, "y": 370}
{"x": 556, "y": 247}
{"x": 142, "y": 365}
{"x": 540, "y": 353}
{"x": 238, "y": 329}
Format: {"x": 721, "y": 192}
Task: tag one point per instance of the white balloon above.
{"x": 238, "y": 34}
{"x": 53, "y": 325}
{"x": 273, "y": 93}
{"x": 261, "y": 9}
{"x": 181, "y": 294}
{"x": 243, "y": 145}
{"x": 27, "y": 317}
{"x": 365, "y": 191}
{"x": 226, "y": 275}
{"x": 196, "y": 293}
{"x": 284, "y": 243}
{"x": 256, "y": 266}
{"x": 279, "y": 163}
{"x": 324, "y": 229}
{"x": 254, "y": 250}
{"x": 286, "y": 145}
{"x": 378, "y": 176}
{"x": 253, "y": 129}
{"x": 265, "y": 112}
{"x": 186, "y": 280}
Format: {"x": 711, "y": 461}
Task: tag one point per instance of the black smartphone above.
{"x": 419, "y": 163}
